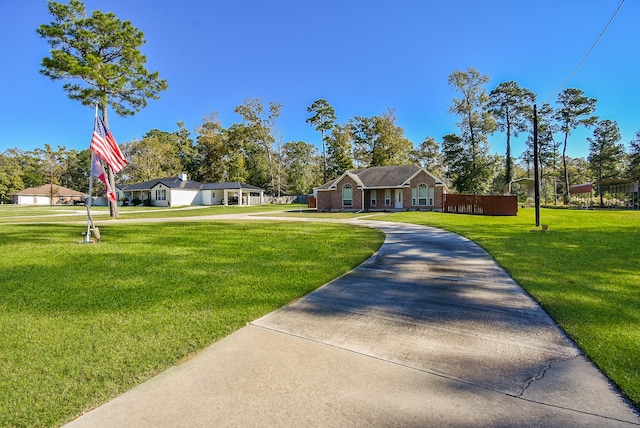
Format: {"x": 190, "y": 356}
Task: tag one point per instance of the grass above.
{"x": 583, "y": 271}
{"x": 80, "y": 324}
{"x": 312, "y": 213}
{"x": 40, "y": 214}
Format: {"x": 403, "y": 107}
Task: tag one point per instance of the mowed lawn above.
{"x": 585, "y": 272}
{"x": 80, "y": 324}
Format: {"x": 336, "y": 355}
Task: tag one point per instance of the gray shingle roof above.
{"x": 381, "y": 176}
{"x": 177, "y": 183}
{"x": 230, "y": 185}
{"x": 171, "y": 182}
{"x": 387, "y": 176}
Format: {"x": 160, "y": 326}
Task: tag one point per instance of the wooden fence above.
{"x": 481, "y": 205}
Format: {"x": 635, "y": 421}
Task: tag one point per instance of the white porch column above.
{"x": 224, "y": 197}
{"x": 261, "y": 197}
{"x": 240, "y": 196}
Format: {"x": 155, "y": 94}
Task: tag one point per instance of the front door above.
{"x": 398, "y": 198}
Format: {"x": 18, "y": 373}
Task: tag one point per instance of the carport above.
{"x": 620, "y": 193}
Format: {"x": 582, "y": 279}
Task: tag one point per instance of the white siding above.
{"x": 33, "y": 200}
{"x": 206, "y": 197}
{"x": 179, "y": 197}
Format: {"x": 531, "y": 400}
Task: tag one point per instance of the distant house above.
{"x": 392, "y": 188}
{"x": 179, "y": 191}
{"x": 47, "y": 194}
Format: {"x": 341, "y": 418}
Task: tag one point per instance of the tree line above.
{"x": 252, "y": 150}
{"x": 99, "y": 57}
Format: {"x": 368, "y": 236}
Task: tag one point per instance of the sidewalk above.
{"x": 428, "y": 332}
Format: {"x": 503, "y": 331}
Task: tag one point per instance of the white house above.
{"x": 180, "y": 191}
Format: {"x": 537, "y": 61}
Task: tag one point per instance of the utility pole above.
{"x": 536, "y": 173}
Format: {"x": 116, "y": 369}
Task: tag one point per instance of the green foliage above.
{"x": 583, "y": 272}
{"x": 511, "y": 105}
{"x": 634, "y": 158}
{"x": 76, "y": 169}
{"x": 363, "y": 135}
{"x": 83, "y": 328}
{"x": 470, "y": 150}
{"x": 378, "y": 141}
{"x": 604, "y": 151}
{"x": 103, "y": 53}
{"x": 262, "y": 125}
{"x": 605, "y": 154}
{"x": 429, "y": 157}
{"x": 10, "y": 180}
{"x": 575, "y": 110}
{"x": 186, "y": 150}
{"x": 299, "y": 159}
{"x": 323, "y": 119}
{"x": 392, "y": 147}
{"x": 467, "y": 173}
{"x": 340, "y": 152}
{"x": 548, "y": 154}
{"x": 323, "y": 115}
{"x": 155, "y": 156}
{"x": 30, "y": 165}
{"x": 213, "y": 149}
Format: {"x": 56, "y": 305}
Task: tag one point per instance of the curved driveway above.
{"x": 430, "y": 331}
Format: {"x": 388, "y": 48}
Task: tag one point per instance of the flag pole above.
{"x": 87, "y": 236}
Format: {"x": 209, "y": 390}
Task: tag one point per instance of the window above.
{"x": 414, "y": 197}
{"x": 161, "y": 195}
{"x": 422, "y": 194}
{"x": 374, "y": 194}
{"x": 347, "y": 195}
{"x": 431, "y": 189}
{"x": 387, "y": 197}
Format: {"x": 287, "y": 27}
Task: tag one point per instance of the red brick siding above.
{"x": 424, "y": 178}
{"x": 332, "y": 200}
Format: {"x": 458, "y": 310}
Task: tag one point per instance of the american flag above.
{"x": 104, "y": 145}
{"x": 97, "y": 170}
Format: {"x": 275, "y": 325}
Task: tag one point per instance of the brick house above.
{"x": 382, "y": 188}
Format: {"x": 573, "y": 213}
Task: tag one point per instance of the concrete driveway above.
{"x": 429, "y": 332}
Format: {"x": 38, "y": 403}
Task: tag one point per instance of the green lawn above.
{"x": 45, "y": 214}
{"x": 584, "y": 271}
{"x": 80, "y": 324}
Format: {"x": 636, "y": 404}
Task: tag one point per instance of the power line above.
{"x": 587, "y": 55}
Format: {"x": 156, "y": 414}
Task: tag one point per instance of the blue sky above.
{"x": 362, "y": 56}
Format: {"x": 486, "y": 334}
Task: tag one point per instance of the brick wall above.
{"x": 331, "y": 200}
